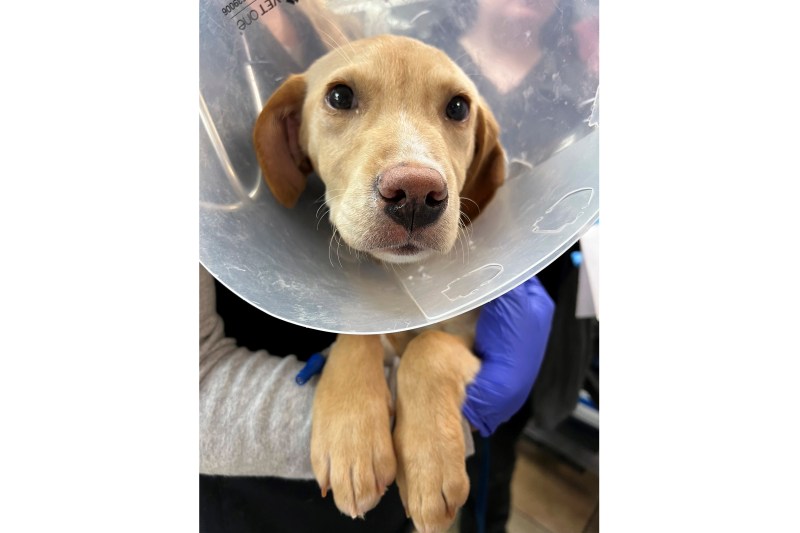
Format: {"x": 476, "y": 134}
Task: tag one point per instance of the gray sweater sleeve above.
{"x": 254, "y": 419}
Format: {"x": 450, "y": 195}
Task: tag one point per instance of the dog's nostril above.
{"x": 393, "y": 197}
{"x": 435, "y": 199}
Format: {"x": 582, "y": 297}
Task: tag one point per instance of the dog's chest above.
{"x": 462, "y": 326}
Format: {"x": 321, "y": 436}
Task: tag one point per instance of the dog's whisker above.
{"x": 317, "y": 215}
{"x": 325, "y": 204}
{"x": 333, "y": 45}
{"x": 460, "y": 242}
{"x": 319, "y": 221}
{"x": 329, "y": 40}
{"x": 463, "y": 198}
{"x": 389, "y": 266}
{"x": 334, "y": 25}
{"x": 466, "y": 235}
{"x": 330, "y": 244}
{"x": 329, "y": 194}
{"x": 336, "y": 46}
{"x": 465, "y": 222}
{"x": 468, "y": 240}
{"x": 465, "y": 230}
{"x": 341, "y": 33}
{"x": 338, "y": 237}
{"x": 333, "y": 197}
{"x": 338, "y": 255}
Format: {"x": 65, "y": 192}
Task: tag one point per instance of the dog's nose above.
{"x": 413, "y": 196}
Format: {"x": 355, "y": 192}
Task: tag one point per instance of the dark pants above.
{"x": 270, "y": 505}
{"x": 502, "y": 458}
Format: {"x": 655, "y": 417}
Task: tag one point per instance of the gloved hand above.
{"x": 510, "y": 339}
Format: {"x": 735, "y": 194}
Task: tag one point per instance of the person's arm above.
{"x": 510, "y": 338}
{"x": 254, "y": 419}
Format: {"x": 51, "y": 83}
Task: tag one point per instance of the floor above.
{"x": 550, "y": 495}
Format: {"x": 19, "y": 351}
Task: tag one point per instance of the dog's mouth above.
{"x": 408, "y": 252}
{"x": 406, "y": 249}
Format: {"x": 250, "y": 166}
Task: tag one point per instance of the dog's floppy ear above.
{"x": 276, "y": 138}
{"x": 488, "y": 168}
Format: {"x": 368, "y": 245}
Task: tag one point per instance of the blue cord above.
{"x": 313, "y": 367}
{"x": 577, "y": 258}
{"x": 482, "y": 499}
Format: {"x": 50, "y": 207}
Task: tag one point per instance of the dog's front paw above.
{"x": 351, "y": 442}
{"x": 431, "y": 471}
{"x": 428, "y": 435}
{"x": 352, "y": 453}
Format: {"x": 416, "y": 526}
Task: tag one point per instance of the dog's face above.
{"x": 398, "y": 134}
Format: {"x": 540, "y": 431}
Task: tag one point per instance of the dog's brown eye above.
{"x": 457, "y": 109}
{"x": 341, "y": 97}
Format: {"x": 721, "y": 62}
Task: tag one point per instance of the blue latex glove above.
{"x": 510, "y": 339}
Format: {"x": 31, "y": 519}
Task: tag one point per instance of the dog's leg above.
{"x": 351, "y": 443}
{"x": 428, "y": 435}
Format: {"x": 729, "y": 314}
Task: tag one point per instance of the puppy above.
{"x": 408, "y": 152}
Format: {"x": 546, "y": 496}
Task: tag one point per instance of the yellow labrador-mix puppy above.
{"x": 406, "y": 147}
